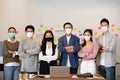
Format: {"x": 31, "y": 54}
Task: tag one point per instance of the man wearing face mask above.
{"x": 68, "y": 46}
{"x": 28, "y": 52}
{"x": 107, "y": 53}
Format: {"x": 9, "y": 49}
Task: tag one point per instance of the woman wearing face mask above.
{"x": 48, "y": 54}
{"x": 88, "y": 53}
{"x": 28, "y": 52}
{"x": 10, "y": 56}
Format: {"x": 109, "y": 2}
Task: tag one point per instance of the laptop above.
{"x": 59, "y": 71}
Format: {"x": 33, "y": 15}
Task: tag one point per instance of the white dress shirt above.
{"x": 68, "y": 59}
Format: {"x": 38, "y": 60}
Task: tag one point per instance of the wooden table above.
{"x": 70, "y": 78}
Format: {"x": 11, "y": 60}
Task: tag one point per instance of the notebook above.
{"x": 59, "y": 71}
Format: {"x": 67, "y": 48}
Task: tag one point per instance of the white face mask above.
{"x": 68, "y": 31}
{"x": 29, "y": 34}
{"x": 104, "y": 28}
{"x": 87, "y": 38}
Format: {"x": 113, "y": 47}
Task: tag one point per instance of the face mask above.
{"x": 68, "y": 31}
{"x": 48, "y": 39}
{"x": 87, "y": 38}
{"x": 29, "y": 34}
{"x": 104, "y": 28}
{"x": 11, "y": 35}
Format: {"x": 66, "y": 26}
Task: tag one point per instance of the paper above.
{"x": 51, "y": 28}
{"x": 74, "y": 29}
{"x": 17, "y": 32}
{"x": 116, "y": 35}
{"x": 99, "y": 27}
{"x": 41, "y": 26}
{"x": 113, "y": 25}
{"x": 55, "y": 40}
{"x": 112, "y": 29}
{"x": 118, "y": 28}
{"x": 39, "y": 30}
{"x": 45, "y": 28}
{"x": 96, "y": 33}
{"x": 57, "y": 26}
{"x": 75, "y": 34}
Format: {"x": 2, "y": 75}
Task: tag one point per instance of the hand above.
{"x": 25, "y": 51}
{"x": 104, "y": 49}
{"x": 12, "y": 52}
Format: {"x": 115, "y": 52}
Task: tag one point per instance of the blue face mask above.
{"x": 11, "y": 35}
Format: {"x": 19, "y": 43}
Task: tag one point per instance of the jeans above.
{"x": 107, "y": 72}
{"x": 11, "y": 72}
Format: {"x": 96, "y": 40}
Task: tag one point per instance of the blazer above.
{"x": 62, "y": 42}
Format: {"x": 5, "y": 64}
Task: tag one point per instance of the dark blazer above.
{"x": 74, "y": 41}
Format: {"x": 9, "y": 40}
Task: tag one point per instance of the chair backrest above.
{"x": 1, "y": 48}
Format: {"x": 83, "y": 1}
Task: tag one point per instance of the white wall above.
{"x": 54, "y": 13}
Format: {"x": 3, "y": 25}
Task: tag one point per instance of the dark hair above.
{"x": 67, "y": 23}
{"x": 11, "y": 28}
{"x": 30, "y": 27}
{"x": 104, "y": 20}
{"x": 43, "y": 46}
{"x": 89, "y": 31}
{"x": 47, "y": 31}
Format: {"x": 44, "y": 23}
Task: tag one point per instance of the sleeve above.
{"x": 51, "y": 58}
{"x": 5, "y": 50}
{"x": 16, "y": 53}
{"x": 77, "y": 45}
{"x": 61, "y": 46}
{"x": 35, "y": 50}
{"x": 112, "y": 45}
{"x": 20, "y": 50}
{"x": 95, "y": 52}
{"x": 41, "y": 57}
{"x": 82, "y": 54}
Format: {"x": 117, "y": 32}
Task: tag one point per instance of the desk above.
{"x": 70, "y": 78}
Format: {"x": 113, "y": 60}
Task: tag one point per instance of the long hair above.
{"x": 43, "y": 46}
{"x": 91, "y": 33}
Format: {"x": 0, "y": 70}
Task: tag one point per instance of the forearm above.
{"x": 33, "y": 51}
{"x": 22, "y": 54}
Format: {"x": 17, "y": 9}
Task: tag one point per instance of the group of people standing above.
{"x": 25, "y": 55}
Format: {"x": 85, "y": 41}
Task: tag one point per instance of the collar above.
{"x": 11, "y": 41}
